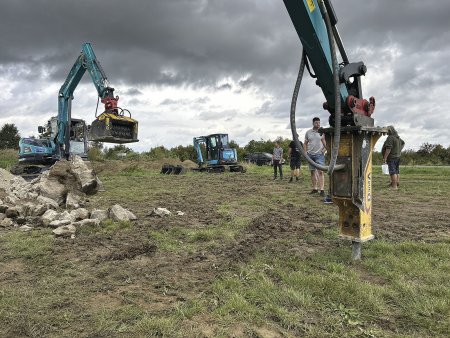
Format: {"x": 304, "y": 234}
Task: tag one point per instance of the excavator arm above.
{"x": 112, "y": 125}
{"x": 308, "y": 20}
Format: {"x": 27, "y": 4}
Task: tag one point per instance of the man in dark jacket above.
{"x": 392, "y": 151}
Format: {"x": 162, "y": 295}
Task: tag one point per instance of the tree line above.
{"x": 428, "y": 153}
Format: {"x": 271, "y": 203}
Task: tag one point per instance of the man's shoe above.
{"x": 314, "y": 191}
{"x": 296, "y": 178}
{"x": 290, "y": 180}
{"x": 281, "y": 177}
{"x": 322, "y": 193}
{"x": 274, "y": 178}
{"x": 327, "y": 200}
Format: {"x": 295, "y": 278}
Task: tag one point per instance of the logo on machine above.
{"x": 369, "y": 187}
{"x": 311, "y": 5}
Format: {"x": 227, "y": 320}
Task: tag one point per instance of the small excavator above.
{"x": 214, "y": 155}
{"x": 220, "y": 157}
{"x": 63, "y": 135}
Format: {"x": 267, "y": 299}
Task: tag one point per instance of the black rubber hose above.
{"x": 337, "y": 96}
{"x": 297, "y": 142}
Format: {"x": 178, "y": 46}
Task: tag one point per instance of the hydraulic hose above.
{"x": 337, "y": 96}
{"x": 337, "y": 127}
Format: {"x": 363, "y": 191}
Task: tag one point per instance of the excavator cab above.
{"x": 114, "y": 125}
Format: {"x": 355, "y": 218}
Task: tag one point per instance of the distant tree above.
{"x": 184, "y": 152}
{"x": 113, "y": 153}
{"x": 9, "y": 137}
{"x": 426, "y": 148}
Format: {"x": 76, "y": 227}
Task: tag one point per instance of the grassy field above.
{"x": 251, "y": 257}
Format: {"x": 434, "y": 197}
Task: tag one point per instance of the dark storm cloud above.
{"x": 238, "y": 45}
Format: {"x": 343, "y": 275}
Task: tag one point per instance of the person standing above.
{"x": 315, "y": 146}
{"x": 295, "y": 161}
{"x": 392, "y": 151}
{"x": 277, "y": 158}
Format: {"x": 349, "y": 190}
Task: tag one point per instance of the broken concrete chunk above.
{"x": 3, "y": 208}
{"x": 25, "y": 228}
{"x": 49, "y": 216}
{"x": 79, "y": 214}
{"x": 7, "y": 222}
{"x": 74, "y": 201}
{"x": 118, "y": 213}
{"x": 161, "y": 212}
{"x": 101, "y": 215}
{"x": 179, "y": 213}
{"x": 59, "y": 223}
{"x": 2, "y": 216}
{"x": 38, "y": 210}
{"x": 11, "y": 213}
{"x": 48, "y": 202}
{"x": 84, "y": 175}
{"x": 50, "y": 187}
{"x": 65, "y": 231}
{"x": 11, "y": 200}
{"x": 87, "y": 222}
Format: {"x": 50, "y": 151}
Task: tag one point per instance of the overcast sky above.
{"x": 186, "y": 68}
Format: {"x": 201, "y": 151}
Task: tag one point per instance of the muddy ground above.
{"x": 156, "y": 264}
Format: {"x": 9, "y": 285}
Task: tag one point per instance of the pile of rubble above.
{"x": 56, "y": 199}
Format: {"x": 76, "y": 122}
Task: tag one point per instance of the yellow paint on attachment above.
{"x": 311, "y": 5}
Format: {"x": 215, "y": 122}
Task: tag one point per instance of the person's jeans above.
{"x": 277, "y": 164}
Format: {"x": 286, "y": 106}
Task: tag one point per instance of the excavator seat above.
{"x": 114, "y": 128}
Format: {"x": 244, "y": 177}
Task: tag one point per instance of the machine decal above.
{"x": 311, "y": 5}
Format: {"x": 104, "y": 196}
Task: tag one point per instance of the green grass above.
{"x": 8, "y": 157}
{"x": 409, "y": 290}
{"x": 299, "y": 283}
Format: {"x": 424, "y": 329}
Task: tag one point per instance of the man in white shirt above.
{"x": 315, "y": 146}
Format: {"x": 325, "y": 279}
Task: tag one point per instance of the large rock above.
{"x": 118, "y": 213}
{"x": 2, "y": 216}
{"x": 85, "y": 176}
{"x": 99, "y": 214}
{"x": 3, "y": 208}
{"x": 50, "y": 187}
{"x": 74, "y": 201}
{"x": 65, "y": 231}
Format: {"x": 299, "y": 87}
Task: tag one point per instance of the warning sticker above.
{"x": 311, "y": 5}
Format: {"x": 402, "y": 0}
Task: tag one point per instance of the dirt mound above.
{"x": 189, "y": 164}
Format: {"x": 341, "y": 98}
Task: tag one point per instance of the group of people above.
{"x": 315, "y": 146}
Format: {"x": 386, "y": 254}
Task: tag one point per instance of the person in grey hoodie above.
{"x": 277, "y": 158}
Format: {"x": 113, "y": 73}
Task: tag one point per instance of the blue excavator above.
{"x": 218, "y": 155}
{"x": 63, "y": 135}
{"x": 214, "y": 155}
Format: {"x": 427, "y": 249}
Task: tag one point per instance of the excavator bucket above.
{"x": 113, "y": 128}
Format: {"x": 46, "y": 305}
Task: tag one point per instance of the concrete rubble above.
{"x": 58, "y": 199}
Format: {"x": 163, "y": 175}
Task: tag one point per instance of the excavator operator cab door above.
{"x": 212, "y": 147}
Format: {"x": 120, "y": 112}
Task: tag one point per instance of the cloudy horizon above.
{"x": 186, "y": 68}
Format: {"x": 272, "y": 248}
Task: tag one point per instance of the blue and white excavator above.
{"x": 218, "y": 155}
{"x": 63, "y": 135}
